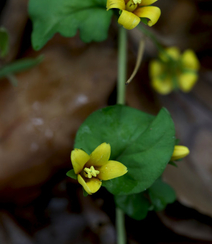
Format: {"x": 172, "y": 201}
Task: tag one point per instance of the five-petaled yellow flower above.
{"x": 179, "y": 152}
{"x": 133, "y": 10}
{"x": 92, "y": 169}
{"x": 172, "y": 71}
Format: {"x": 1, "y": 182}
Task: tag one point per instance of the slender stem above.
{"x": 122, "y": 60}
{"x": 121, "y": 87}
{"x": 120, "y": 227}
{"x": 154, "y": 40}
{"x": 151, "y": 36}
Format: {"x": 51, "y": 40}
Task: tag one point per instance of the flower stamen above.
{"x": 137, "y": 1}
{"x": 89, "y": 172}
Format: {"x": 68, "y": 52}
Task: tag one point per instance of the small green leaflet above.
{"x": 140, "y": 141}
{"x": 135, "y": 206}
{"x": 4, "y": 42}
{"x": 145, "y": 20}
{"x": 173, "y": 164}
{"x": 18, "y": 66}
{"x": 85, "y": 194}
{"x": 71, "y": 174}
{"x": 13, "y": 80}
{"x": 66, "y": 17}
{"x": 161, "y": 194}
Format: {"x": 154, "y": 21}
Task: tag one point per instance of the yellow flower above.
{"x": 92, "y": 169}
{"x": 133, "y": 10}
{"x": 172, "y": 71}
{"x": 179, "y": 152}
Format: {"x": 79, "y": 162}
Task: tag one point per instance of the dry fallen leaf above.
{"x": 39, "y": 118}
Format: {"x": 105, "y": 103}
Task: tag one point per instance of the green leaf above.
{"x": 4, "y": 42}
{"x": 140, "y": 141}
{"x": 85, "y": 194}
{"x": 71, "y": 174}
{"x": 173, "y": 164}
{"x": 161, "y": 194}
{"x": 18, "y": 66}
{"x": 145, "y": 20}
{"x": 177, "y": 141}
{"x": 12, "y": 80}
{"x": 66, "y": 17}
{"x": 136, "y": 205}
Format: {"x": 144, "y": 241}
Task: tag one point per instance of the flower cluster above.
{"x": 133, "y": 10}
{"x": 92, "y": 169}
{"x": 172, "y": 71}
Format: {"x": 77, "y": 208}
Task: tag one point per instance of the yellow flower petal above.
{"x": 147, "y": 2}
{"x": 79, "y": 158}
{"x": 156, "y": 68}
{"x": 187, "y": 81}
{"x": 150, "y": 12}
{"x": 163, "y": 87}
{"x": 120, "y": 4}
{"x": 179, "y": 152}
{"x": 190, "y": 60}
{"x": 128, "y": 20}
{"x": 111, "y": 170}
{"x": 100, "y": 155}
{"x": 91, "y": 185}
{"x": 173, "y": 52}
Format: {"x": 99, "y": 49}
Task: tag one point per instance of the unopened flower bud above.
{"x": 179, "y": 152}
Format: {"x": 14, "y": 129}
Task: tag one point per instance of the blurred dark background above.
{"x": 39, "y": 119}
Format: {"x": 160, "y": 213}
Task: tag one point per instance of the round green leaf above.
{"x": 66, "y": 17}
{"x": 140, "y": 141}
{"x": 136, "y": 205}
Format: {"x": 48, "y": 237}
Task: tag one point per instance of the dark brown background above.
{"x": 39, "y": 119}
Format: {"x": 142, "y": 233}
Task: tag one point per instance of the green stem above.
{"x": 154, "y": 40}
{"x": 121, "y": 88}
{"x": 152, "y": 37}
{"x": 122, "y": 61}
{"x": 120, "y": 228}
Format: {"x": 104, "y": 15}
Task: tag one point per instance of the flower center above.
{"x": 90, "y": 172}
{"x": 132, "y": 5}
